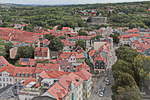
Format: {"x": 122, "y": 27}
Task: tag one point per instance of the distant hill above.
{"x": 123, "y": 3}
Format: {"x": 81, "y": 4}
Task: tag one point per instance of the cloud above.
{"x": 56, "y": 2}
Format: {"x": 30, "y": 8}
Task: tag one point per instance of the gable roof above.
{"x": 15, "y": 34}
{"x": 17, "y": 70}
{"x": 129, "y": 35}
{"x": 41, "y": 51}
{"x": 85, "y": 75}
{"x": 47, "y": 67}
{"x": 92, "y": 52}
{"x": 3, "y": 61}
{"x": 134, "y": 30}
{"x": 66, "y": 55}
{"x": 57, "y": 91}
{"x": 52, "y": 74}
{"x": 83, "y": 66}
{"x": 67, "y": 43}
{"x": 27, "y": 61}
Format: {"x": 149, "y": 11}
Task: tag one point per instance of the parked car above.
{"x": 101, "y": 94}
{"x": 108, "y": 83}
{"x": 106, "y": 79}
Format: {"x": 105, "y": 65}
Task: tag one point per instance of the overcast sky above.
{"x": 56, "y": 2}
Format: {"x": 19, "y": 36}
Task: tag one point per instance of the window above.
{"x": 7, "y": 79}
{"x": 18, "y": 74}
{"x": 0, "y": 79}
{"x": 4, "y": 79}
{"x": 26, "y": 75}
{"x": 10, "y": 79}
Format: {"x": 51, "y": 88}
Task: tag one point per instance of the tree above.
{"x": 97, "y": 37}
{"x": 141, "y": 69}
{"x": 115, "y": 37}
{"x": 122, "y": 66}
{"x": 56, "y": 45}
{"x": 81, "y": 43}
{"x": 62, "y": 37}
{"x": 2, "y": 48}
{"x": 29, "y": 28}
{"x": 88, "y": 62}
{"x": 125, "y": 87}
{"x": 82, "y": 33}
{"x": 49, "y": 37}
{"x": 126, "y": 53}
{"x": 25, "y": 52}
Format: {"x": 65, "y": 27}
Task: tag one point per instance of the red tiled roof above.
{"x": 92, "y": 52}
{"x": 28, "y": 81}
{"x": 79, "y": 56}
{"x": 9, "y": 68}
{"x": 24, "y": 70}
{"x": 76, "y": 80}
{"x": 129, "y": 35}
{"x": 84, "y": 74}
{"x": 99, "y": 58}
{"x": 52, "y": 74}
{"x": 134, "y": 30}
{"x": 148, "y": 10}
{"x": 17, "y": 70}
{"x": 3, "y": 61}
{"x": 17, "y": 35}
{"x": 29, "y": 61}
{"x": 41, "y": 51}
{"x": 47, "y": 67}
{"x": 81, "y": 37}
{"x": 58, "y": 91}
{"x": 67, "y": 43}
{"x": 141, "y": 46}
{"x": 65, "y": 28}
{"x": 45, "y": 41}
{"x": 83, "y": 66}
{"x": 66, "y": 55}
{"x": 66, "y": 80}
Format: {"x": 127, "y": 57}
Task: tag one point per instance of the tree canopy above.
{"x": 56, "y": 44}
{"x": 81, "y": 43}
{"x": 126, "y": 53}
{"x": 25, "y": 52}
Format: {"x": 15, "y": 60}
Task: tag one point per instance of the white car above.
{"x": 101, "y": 94}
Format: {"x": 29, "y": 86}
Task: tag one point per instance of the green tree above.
{"x": 125, "y": 87}
{"x": 49, "y": 36}
{"x": 81, "y": 43}
{"x": 56, "y": 44}
{"x": 115, "y": 37}
{"x": 122, "y": 66}
{"x": 62, "y": 37}
{"x": 25, "y": 52}
{"x": 82, "y": 33}
{"x": 88, "y": 62}
{"x": 126, "y": 53}
{"x": 97, "y": 37}
{"x": 2, "y": 48}
{"x": 141, "y": 69}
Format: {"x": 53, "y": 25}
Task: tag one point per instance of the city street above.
{"x": 98, "y": 82}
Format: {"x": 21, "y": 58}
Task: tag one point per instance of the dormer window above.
{"x": 77, "y": 80}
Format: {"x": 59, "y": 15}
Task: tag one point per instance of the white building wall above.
{"x": 5, "y": 79}
{"x": 48, "y": 81}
